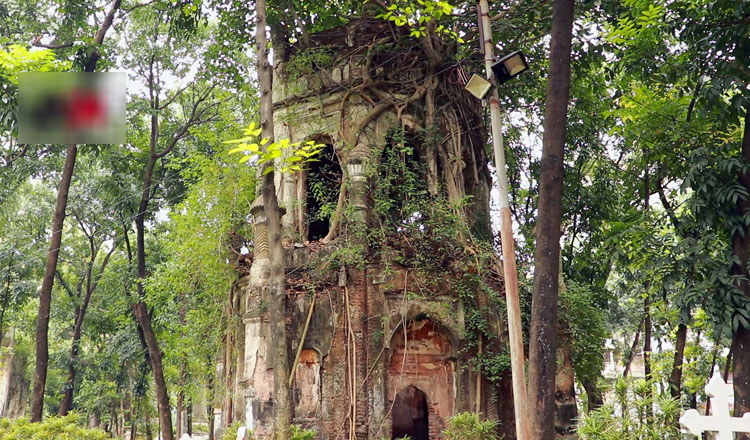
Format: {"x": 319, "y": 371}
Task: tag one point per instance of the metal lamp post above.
{"x": 504, "y": 69}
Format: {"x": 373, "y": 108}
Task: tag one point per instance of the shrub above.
{"x": 297, "y": 432}
{"x": 302, "y": 434}
{"x": 468, "y": 426}
{"x": 231, "y": 432}
{"x": 633, "y": 415}
{"x": 53, "y": 428}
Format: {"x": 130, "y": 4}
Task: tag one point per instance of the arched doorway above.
{"x": 411, "y": 415}
{"x": 421, "y": 376}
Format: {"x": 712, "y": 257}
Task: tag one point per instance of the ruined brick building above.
{"x": 387, "y": 350}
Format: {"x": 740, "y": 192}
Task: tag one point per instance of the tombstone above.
{"x": 184, "y": 424}
{"x": 720, "y": 421}
{"x": 185, "y": 437}
{"x": 242, "y": 433}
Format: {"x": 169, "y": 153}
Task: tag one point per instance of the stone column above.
{"x": 290, "y": 204}
{"x": 358, "y": 192}
{"x": 358, "y": 294}
{"x": 258, "y": 395}
{"x": 6, "y": 370}
{"x": 377, "y": 335}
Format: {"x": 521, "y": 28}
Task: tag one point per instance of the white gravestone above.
{"x": 720, "y": 420}
{"x": 185, "y": 437}
{"x": 241, "y": 433}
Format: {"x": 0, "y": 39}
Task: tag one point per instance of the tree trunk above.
{"x": 162, "y": 397}
{"x": 741, "y": 340}
{"x": 227, "y": 409}
{"x": 6, "y": 298}
{"x": 728, "y": 363}
{"x": 647, "y": 347}
{"x": 507, "y": 416}
{"x": 675, "y": 379}
{"x": 190, "y": 417}
{"x": 67, "y": 402}
{"x": 276, "y": 285}
{"x": 180, "y": 407}
{"x": 141, "y": 311}
{"x": 633, "y": 347}
{"x": 210, "y": 411}
{"x": 149, "y": 433}
{"x": 210, "y": 399}
{"x": 45, "y": 294}
{"x": 593, "y": 394}
{"x": 181, "y": 381}
{"x": 566, "y": 411}
{"x": 542, "y": 345}
{"x": 647, "y": 300}
{"x": 133, "y": 416}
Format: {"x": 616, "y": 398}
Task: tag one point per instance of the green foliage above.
{"x": 417, "y": 14}
{"x": 634, "y": 414}
{"x": 69, "y": 427}
{"x": 430, "y": 225}
{"x": 200, "y": 246}
{"x": 292, "y": 156}
{"x": 349, "y": 255}
{"x": 17, "y": 59}
{"x": 307, "y": 61}
{"x": 587, "y": 327}
{"x": 302, "y": 434}
{"x": 231, "y": 432}
{"x": 469, "y": 426}
{"x": 659, "y": 88}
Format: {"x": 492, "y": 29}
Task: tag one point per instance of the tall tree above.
{"x": 741, "y": 254}
{"x": 543, "y": 333}
{"x": 45, "y": 293}
{"x": 275, "y": 293}
{"x": 199, "y": 112}
{"x": 167, "y": 116}
{"x": 85, "y": 287}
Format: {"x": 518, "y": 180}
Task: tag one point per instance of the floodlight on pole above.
{"x": 478, "y": 86}
{"x": 509, "y": 66}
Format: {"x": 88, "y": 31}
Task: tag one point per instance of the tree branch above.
{"x": 64, "y": 284}
{"x": 196, "y": 113}
{"x": 37, "y": 43}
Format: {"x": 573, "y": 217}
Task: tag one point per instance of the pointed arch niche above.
{"x": 421, "y": 379}
{"x": 306, "y": 390}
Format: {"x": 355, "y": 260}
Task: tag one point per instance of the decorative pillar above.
{"x": 356, "y": 283}
{"x": 358, "y": 192}
{"x": 260, "y": 230}
{"x": 289, "y": 203}
{"x": 258, "y": 395}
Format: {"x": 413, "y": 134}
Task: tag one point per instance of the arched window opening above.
{"x": 324, "y": 178}
{"x": 401, "y": 185}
